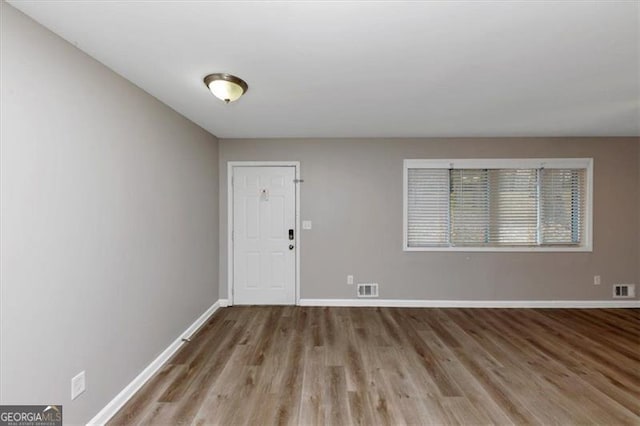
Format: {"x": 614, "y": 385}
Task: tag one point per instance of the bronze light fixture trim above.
{"x": 226, "y": 87}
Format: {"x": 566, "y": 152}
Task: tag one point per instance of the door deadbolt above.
{"x": 290, "y": 246}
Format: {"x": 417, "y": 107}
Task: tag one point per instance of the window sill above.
{"x": 580, "y": 249}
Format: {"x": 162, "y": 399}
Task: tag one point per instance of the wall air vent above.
{"x": 624, "y": 291}
{"x": 368, "y": 290}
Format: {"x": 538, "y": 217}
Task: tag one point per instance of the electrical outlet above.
{"x": 78, "y": 385}
{"x": 596, "y": 280}
{"x": 350, "y": 279}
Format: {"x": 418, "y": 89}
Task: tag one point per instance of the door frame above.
{"x": 230, "y": 225}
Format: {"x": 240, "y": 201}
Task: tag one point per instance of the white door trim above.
{"x": 230, "y": 166}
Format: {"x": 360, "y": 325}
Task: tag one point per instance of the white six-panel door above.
{"x": 264, "y": 210}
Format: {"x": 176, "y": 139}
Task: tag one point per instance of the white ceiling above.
{"x": 379, "y": 69}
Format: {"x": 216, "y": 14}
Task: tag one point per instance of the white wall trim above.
{"x": 118, "y": 402}
{"x": 399, "y": 303}
{"x": 230, "y": 166}
{"x": 500, "y": 163}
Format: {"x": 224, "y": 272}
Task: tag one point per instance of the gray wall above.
{"x": 352, "y": 192}
{"x": 109, "y": 223}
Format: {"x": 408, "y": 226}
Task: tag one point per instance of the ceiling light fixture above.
{"x": 226, "y": 87}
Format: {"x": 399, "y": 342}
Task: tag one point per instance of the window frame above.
{"x": 505, "y": 163}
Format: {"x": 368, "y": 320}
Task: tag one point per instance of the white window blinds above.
{"x": 428, "y": 207}
{"x": 561, "y": 206}
{"x": 469, "y": 212}
{"x": 514, "y": 207}
{"x": 494, "y": 207}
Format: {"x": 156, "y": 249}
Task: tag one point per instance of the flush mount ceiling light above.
{"x": 226, "y": 87}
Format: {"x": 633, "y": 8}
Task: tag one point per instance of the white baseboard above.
{"x": 118, "y": 402}
{"x": 399, "y": 303}
{"x": 223, "y": 303}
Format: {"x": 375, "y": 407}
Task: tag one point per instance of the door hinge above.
{"x": 298, "y": 180}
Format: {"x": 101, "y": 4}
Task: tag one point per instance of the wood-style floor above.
{"x": 386, "y": 366}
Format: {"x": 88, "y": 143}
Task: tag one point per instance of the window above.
{"x": 498, "y": 204}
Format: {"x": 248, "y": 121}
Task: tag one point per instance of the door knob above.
{"x": 290, "y": 246}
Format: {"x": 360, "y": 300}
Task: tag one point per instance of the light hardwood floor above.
{"x": 376, "y": 366}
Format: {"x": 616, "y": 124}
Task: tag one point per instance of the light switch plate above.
{"x": 306, "y": 224}
{"x": 78, "y": 385}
